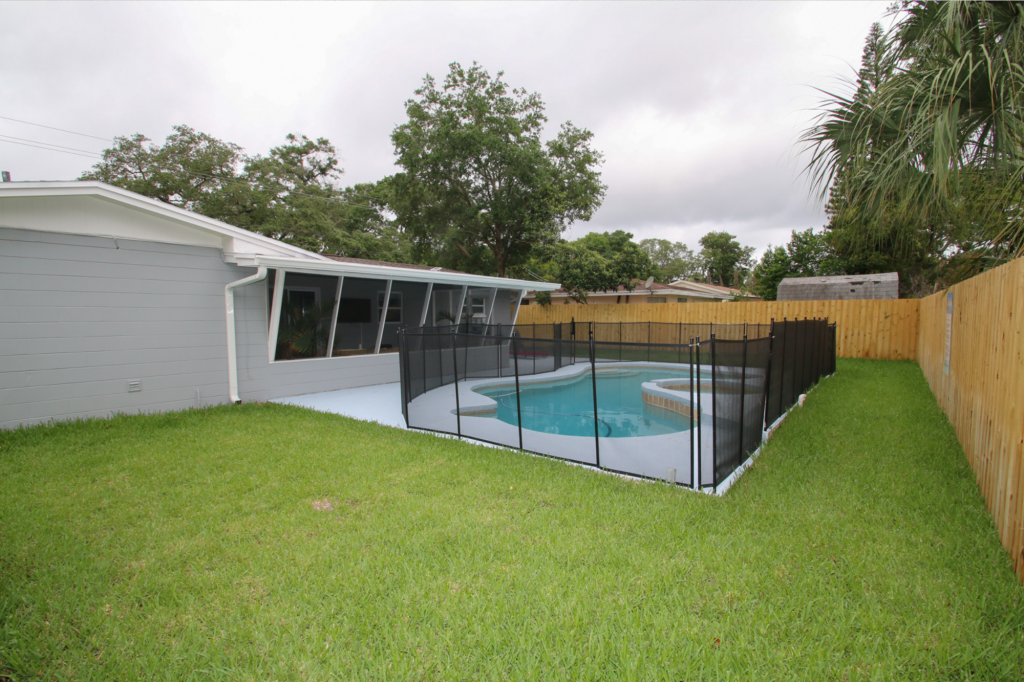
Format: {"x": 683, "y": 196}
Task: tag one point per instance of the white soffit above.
{"x": 334, "y": 268}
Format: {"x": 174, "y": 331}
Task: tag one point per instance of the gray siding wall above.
{"x": 82, "y": 316}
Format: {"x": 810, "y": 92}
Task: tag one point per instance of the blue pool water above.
{"x": 566, "y": 406}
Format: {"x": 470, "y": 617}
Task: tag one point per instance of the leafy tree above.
{"x": 606, "y": 244}
{"x": 723, "y": 260}
{"x": 806, "y": 255}
{"x": 672, "y": 260}
{"x": 190, "y": 170}
{"x": 290, "y": 194}
{"x": 479, "y": 188}
{"x": 582, "y": 270}
{"x": 770, "y": 271}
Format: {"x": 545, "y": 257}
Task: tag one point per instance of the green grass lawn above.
{"x": 187, "y": 546}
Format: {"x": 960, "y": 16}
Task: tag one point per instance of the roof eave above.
{"x": 334, "y": 268}
{"x": 118, "y": 195}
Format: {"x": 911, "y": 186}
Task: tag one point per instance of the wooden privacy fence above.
{"x": 884, "y": 329}
{"x": 983, "y": 391}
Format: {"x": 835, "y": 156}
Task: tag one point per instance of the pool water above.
{"x": 566, "y": 407}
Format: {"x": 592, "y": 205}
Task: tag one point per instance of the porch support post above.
{"x": 275, "y": 313}
{"x": 426, "y": 304}
{"x": 334, "y": 318}
{"x": 519, "y": 302}
{"x": 383, "y": 316}
{"x": 490, "y": 306}
{"x": 462, "y": 302}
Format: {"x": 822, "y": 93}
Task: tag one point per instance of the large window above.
{"x": 304, "y": 327}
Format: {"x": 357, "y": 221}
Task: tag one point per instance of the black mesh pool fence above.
{"x": 802, "y": 352}
{"x": 654, "y": 400}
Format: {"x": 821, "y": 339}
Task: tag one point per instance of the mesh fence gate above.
{"x": 585, "y": 392}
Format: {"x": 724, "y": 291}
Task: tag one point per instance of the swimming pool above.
{"x": 566, "y": 406}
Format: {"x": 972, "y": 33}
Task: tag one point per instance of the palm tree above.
{"x": 940, "y": 123}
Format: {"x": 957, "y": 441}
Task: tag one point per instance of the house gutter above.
{"x": 229, "y": 309}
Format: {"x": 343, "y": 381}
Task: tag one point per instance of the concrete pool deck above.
{"x": 381, "y": 403}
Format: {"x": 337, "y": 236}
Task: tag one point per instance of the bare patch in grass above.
{"x": 323, "y": 505}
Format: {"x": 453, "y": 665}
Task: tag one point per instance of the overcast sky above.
{"x": 696, "y": 106}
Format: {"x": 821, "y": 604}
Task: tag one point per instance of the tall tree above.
{"x": 724, "y": 261}
{"x": 190, "y": 170}
{"x": 806, "y": 255}
{"x": 582, "y": 270}
{"x": 478, "y": 184}
{"x": 672, "y": 260}
{"x": 607, "y": 244}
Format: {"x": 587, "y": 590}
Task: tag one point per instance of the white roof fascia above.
{"x": 236, "y": 239}
{"x": 702, "y": 289}
{"x": 334, "y": 268}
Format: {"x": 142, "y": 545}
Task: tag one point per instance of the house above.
{"x": 840, "y": 287}
{"x": 114, "y": 302}
{"x": 679, "y": 291}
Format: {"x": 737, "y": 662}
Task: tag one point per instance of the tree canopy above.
{"x": 672, "y": 260}
{"x": 479, "y": 189}
{"x": 723, "y": 260}
{"x": 806, "y": 255}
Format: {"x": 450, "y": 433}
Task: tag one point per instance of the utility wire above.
{"x": 50, "y": 149}
{"x": 48, "y": 144}
{"x": 40, "y": 125}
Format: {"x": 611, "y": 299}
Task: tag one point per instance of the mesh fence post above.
{"x": 700, "y": 421}
{"x": 648, "y": 340}
{"x": 714, "y": 416}
{"x": 403, "y": 352}
{"x": 768, "y": 373}
{"x": 679, "y": 357}
{"x": 519, "y": 409}
{"x": 593, "y": 383}
{"x": 497, "y": 353}
{"x": 693, "y": 454}
{"x": 572, "y": 338}
{"x": 743, "y": 395}
{"x": 455, "y": 373}
{"x": 620, "y": 340}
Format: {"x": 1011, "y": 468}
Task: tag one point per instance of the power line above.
{"x": 49, "y": 144}
{"x": 40, "y": 125}
{"x": 51, "y": 149}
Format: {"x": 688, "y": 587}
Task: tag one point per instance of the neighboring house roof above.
{"x": 883, "y": 285}
{"x": 677, "y": 288}
{"x": 102, "y": 210}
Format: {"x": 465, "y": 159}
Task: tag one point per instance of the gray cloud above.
{"x": 697, "y": 106}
